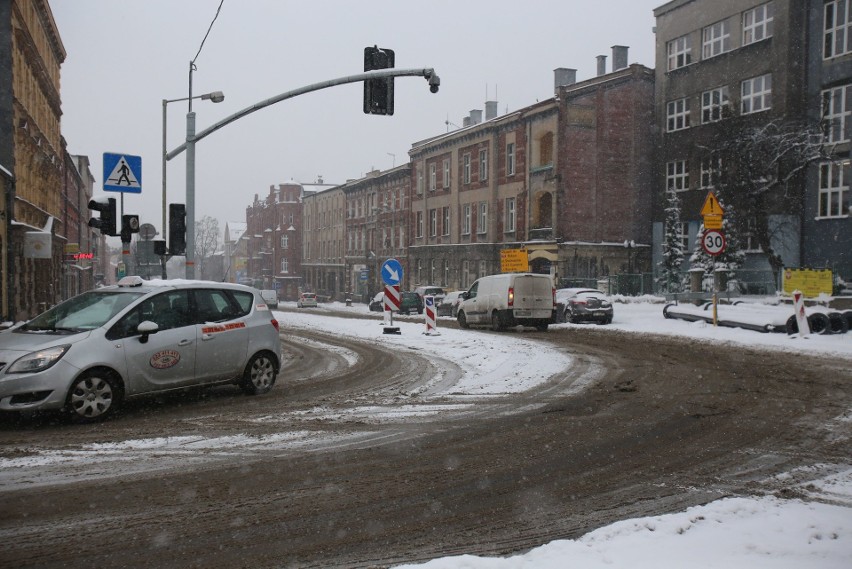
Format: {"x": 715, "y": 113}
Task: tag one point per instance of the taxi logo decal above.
{"x": 222, "y": 327}
{"x": 165, "y": 359}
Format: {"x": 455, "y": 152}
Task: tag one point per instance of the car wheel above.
{"x": 496, "y": 324}
{"x": 569, "y": 317}
{"x": 259, "y": 376}
{"x": 93, "y": 396}
{"x": 463, "y": 321}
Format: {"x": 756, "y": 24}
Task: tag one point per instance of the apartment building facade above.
{"x": 827, "y": 219}
{"x": 323, "y": 255}
{"x": 724, "y": 70}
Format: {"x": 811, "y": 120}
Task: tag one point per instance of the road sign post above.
{"x": 391, "y": 276}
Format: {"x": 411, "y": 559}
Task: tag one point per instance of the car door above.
{"x": 223, "y": 334}
{"x": 469, "y": 305}
{"x": 164, "y": 359}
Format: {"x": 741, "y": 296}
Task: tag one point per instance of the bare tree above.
{"x": 206, "y": 241}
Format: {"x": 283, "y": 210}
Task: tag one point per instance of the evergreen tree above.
{"x": 730, "y": 259}
{"x": 670, "y": 266}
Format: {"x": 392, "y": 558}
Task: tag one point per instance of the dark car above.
{"x": 583, "y": 305}
{"x": 410, "y": 302}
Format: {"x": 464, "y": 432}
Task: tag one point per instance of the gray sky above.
{"x": 125, "y": 57}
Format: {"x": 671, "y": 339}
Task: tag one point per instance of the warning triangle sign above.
{"x": 122, "y": 175}
{"x": 711, "y": 205}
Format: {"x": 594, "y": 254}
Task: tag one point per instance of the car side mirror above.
{"x": 464, "y": 296}
{"x": 145, "y": 329}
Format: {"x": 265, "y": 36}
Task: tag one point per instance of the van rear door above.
{"x": 533, "y": 296}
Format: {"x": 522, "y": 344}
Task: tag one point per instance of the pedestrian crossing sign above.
{"x": 122, "y": 173}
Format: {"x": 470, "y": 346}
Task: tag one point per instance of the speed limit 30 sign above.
{"x": 713, "y": 242}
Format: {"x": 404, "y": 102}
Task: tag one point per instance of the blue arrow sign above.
{"x": 391, "y": 272}
{"x": 122, "y": 173}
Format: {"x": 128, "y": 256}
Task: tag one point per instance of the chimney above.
{"x": 619, "y": 57}
{"x": 563, "y": 77}
{"x": 601, "y": 65}
{"x": 490, "y": 110}
{"x": 476, "y": 116}
{"x": 465, "y": 122}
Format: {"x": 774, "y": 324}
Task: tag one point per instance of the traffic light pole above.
{"x": 191, "y": 137}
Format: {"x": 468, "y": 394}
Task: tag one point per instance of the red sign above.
{"x": 713, "y": 242}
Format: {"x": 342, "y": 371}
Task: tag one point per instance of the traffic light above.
{"x": 105, "y": 223}
{"x": 177, "y": 229}
{"x": 129, "y": 226}
{"x": 378, "y": 93}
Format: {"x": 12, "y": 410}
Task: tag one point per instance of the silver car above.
{"x": 87, "y": 354}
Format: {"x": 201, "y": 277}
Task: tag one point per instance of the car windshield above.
{"x": 84, "y": 312}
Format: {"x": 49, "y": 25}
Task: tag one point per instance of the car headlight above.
{"x": 38, "y": 361}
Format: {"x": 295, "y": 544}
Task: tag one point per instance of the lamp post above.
{"x": 216, "y": 97}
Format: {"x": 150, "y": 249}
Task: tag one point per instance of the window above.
{"x": 482, "y": 219}
{"x": 466, "y": 169}
{"x": 716, "y": 39}
{"x": 835, "y": 113}
{"x": 447, "y": 174}
{"x": 677, "y": 176}
{"x": 285, "y": 266}
{"x": 510, "y": 159}
{"x": 483, "y": 268}
{"x": 683, "y": 234}
{"x": 750, "y": 235}
{"x": 710, "y": 170}
{"x": 466, "y": 219}
{"x": 836, "y": 28}
{"x": 546, "y": 150}
{"x": 419, "y": 181}
{"x": 833, "y": 189}
{"x": 756, "y": 94}
{"x": 757, "y": 23}
{"x": 679, "y": 52}
{"x": 677, "y": 115}
{"x": 713, "y": 104}
{"x": 433, "y": 271}
{"x": 510, "y": 215}
{"x": 466, "y": 278}
{"x": 433, "y": 222}
{"x": 483, "y": 165}
{"x": 445, "y": 222}
{"x": 419, "y": 225}
{"x": 433, "y": 177}
{"x": 285, "y": 242}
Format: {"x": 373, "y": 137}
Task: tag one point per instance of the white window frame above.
{"x": 756, "y": 94}
{"x": 837, "y": 31}
{"x": 679, "y": 52}
{"x": 466, "y": 168}
{"x": 510, "y": 215}
{"x": 433, "y": 222}
{"x": 285, "y": 266}
{"x": 758, "y": 23}
{"x": 445, "y": 224}
{"x": 711, "y": 168}
{"x": 483, "y": 164}
{"x": 482, "y": 219}
{"x": 713, "y": 104}
{"x": 433, "y": 177}
{"x": 419, "y": 224}
{"x": 419, "y": 182}
{"x": 716, "y": 39}
{"x": 510, "y": 159}
{"x": 677, "y": 176}
{"x": 285, "y": 241}
{"x": 466, "y": 219}
{"x": 677, "y": 115}
{"x": 836, "y": 107}
{"x": 447, "y": 174}
{"x": 833, "y": 201}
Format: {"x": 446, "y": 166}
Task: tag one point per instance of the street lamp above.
{"x": 216, "y": 97}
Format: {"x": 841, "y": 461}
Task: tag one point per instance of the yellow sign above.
{"x": 713, "y": 221}
{"x": 514, "y": 261}
{"x": 810, "y": 282}
{"x": 711, "y": 205}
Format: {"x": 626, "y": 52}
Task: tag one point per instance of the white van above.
{"x": 510, "y": 299}
{"x": 270, "y": 297}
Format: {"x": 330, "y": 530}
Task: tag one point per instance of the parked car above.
{"x": 511, "y": 299}
{"x": 583, "y": 305}
{"x": 270, "y": 297}
{"x": 449, "y": 305}
{"x": 430, "y": 290}
{"x": 307, "y": 299}
{"x": 409, "y": 302}
{"x": 89, "y": 353}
